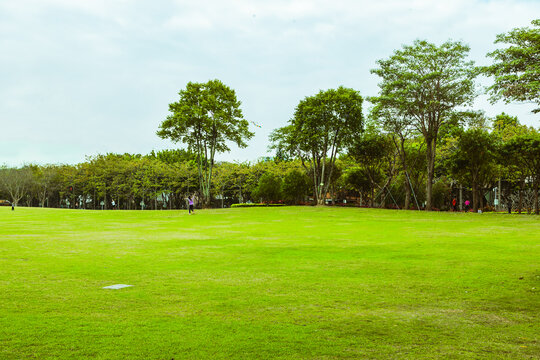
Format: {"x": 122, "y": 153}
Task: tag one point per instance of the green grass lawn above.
{"x": 266, "y": 283}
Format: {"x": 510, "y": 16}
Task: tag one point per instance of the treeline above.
{"x": 494, "y": 163}
{"x": 161, "y": 180}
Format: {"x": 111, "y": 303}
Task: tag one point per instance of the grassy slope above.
{"x": 268, "y": 283}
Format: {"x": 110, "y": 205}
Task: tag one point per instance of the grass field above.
{"x": 292, "y": 283}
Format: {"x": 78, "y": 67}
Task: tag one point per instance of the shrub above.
{"x": 254, "y": 205}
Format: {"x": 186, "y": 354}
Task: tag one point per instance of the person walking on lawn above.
{"x": 190, "y": 205}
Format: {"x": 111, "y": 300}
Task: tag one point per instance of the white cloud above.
{"x": 102, "y": 72}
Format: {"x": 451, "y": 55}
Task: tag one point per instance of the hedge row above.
{"x": 254, "y": 205}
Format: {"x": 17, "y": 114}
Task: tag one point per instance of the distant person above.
{"x": 12, "y": 206}
{"x": 509, "y": 205}
{"x": 454, "y": 204}
{"x": 190, "y": 200}
{"x": 467, "y": 205}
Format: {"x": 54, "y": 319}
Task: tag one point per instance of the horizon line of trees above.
{"x": 474, "y": 158}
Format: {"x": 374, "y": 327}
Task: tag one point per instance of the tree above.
{"x": 371, "y": 151}
{"x": 224, "y": 179}
{"x": 524, "y": 150}
{"x": 15, "y": 182}
{"x": 506, "y": 127}
{"x": 516, "y": 68}
{"x": 269, "y": 188}
{"x": 426, "y": 84}
{"x": 322, "y": 126}
{"x": 473, "y": 162}
{"x": 45, "y": 178}
{"x": 400, "y": 129}
{"x": 357, "y": 179}
{"x": 205, "y": 118}
{"x": 294, "y": 186}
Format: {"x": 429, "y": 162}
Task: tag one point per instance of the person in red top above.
{"x": 454, "y": 204}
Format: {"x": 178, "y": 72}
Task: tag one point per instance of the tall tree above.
{"x": 426, "y": 84}
{"x": 516, "y": 68}
{"x": 206, "y": 117}
{"x": 322, "y": 126}
{"x": 400, "y": 129}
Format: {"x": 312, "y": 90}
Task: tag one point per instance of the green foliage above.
{"x": 473, "y": 161}
{"x": 441, "y": 194}
{"x": 295, "y": 186}
{"x": 243, "y": 205}
{"x": 523, "y": 152}
{"x": 269, "y": 188}
{"x": 15, "y": 182}
{"x": 174, "y": 156}
{"x": 357, "y": 179}
{"x": 516, "y": 68}
{"x": 206, "y": 118}
{"x": 372, "y": 151}
{"x": 322, "y": 126}
{"x": 505, "y": 127}
{"x": 422, "y": 85}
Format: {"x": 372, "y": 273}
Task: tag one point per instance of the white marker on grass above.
{"x": 117, "y": 286}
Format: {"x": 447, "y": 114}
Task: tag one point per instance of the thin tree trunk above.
{"x": 460, "y": 197}
{"x": 475, "y": 196}
{"x": 499, "y": 197}
{"x": 430, "y": 156}
{"x": 536, "y": 211}
{"x": 520, "y": 192}
{"x": 407, "y": 194}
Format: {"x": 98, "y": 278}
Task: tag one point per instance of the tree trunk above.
{"x": 407, "y": 194}
{"x": 536, "y": 211}
{"x": 475, "y": 196}
{"x": 520, "y": 192}
{"x": 460, "y": 197}
{"x": 499, "y": 196}
{"x": 430, "y": 157}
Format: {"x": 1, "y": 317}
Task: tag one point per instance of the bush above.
{"x": 254, "y": 205}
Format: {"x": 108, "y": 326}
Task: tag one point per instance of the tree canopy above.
{"x": 322, "y": 126}
{"x": 206, "y": 118}
{"x": 424, "y": 85}
{"x": 516, "y": 68}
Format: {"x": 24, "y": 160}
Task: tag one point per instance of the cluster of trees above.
{"x": 378, "y": 169}
{"x": 161, "y": 180}
{"x": 420, "y": 144}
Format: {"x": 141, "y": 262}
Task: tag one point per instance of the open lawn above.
{"x": 266, "y": 283}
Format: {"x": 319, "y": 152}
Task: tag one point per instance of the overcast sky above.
{"x": 82, "y": 77}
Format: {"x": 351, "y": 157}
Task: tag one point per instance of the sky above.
{"x": 80, "y": 78}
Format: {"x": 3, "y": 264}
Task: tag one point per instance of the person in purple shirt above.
{"x": 467, "y": 204}
{"x": 190, "y": 205}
